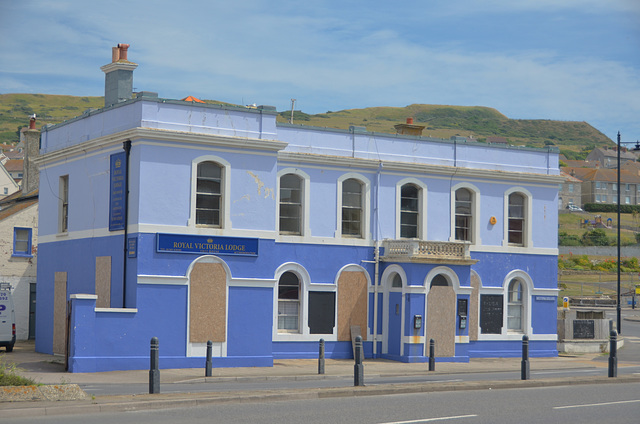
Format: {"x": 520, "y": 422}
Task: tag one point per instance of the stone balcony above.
{"x": 451, "y": 252}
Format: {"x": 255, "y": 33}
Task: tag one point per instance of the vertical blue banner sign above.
{"x": 117, "y": 196}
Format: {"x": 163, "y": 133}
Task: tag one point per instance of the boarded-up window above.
{"x": 352, "y": 304}
{"x": 322, "y": 312}
{"x": 491, "y": 310}
{"x": 208, "y": 303}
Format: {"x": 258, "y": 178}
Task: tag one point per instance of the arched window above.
{"x": 439, "y": 281}
{"x": 409, "y": 211}
{"x": 208, "y": 194}
{"x": 396, "y": 282}
{"x": 289, "y": 303}
{"x": 516, "y": 219}
{"x": 291, "y": 204}
{"x": 352, "y": 208}
{"x": 514, "y": 306}
{"x": 464, "y": 215}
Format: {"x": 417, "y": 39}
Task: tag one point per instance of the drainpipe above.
{"x": 376, "y": 272}
{"x": 376, "y": 276}
{"x": 127, "y": 149}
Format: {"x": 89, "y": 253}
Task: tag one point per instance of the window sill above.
{"x": 21, "y": 255}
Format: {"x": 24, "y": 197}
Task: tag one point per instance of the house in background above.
{"x": 15, "y": 168}
{"x": 196, "y": 222}
{"x": 19, "y": 240}
{"x": 570, "y": 192}
{"x": 600, "y": 185}
{"x": 8, "y": 185}
{"x": 608, "y": 158}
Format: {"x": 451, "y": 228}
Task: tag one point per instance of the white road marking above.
{"x": 569, "y": 371}
{"x": 428, "y": 420}
{"x": 597, "y": 404}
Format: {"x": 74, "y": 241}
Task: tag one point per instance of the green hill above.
{"x": 15, "y": 110}
{"x": 573, "y": 138}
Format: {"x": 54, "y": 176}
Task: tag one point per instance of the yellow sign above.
{"x": 637, "y": 290}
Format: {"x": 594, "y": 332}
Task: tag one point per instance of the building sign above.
{"x": 117, "y": 195}
{"x": 546, "y": 298}
{"x": 181, "y": 243}
{"x": 132, "y": 247}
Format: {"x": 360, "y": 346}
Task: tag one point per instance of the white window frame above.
{"x": 225, "y": 186}
{"x": 305, "y": 230}
{"x": 422, "y": 206}
{"x": 63, "y": 204}
{"x": 475, "y": 214}
{"x": 527, "y": 287}
{"x": 527, "y": 226}
{"x": 366, "y": 207}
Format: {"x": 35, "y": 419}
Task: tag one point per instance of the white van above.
{"x": 7, "y": 318}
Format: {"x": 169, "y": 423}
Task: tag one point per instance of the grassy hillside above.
{"x": 439, "y": 121}
{"x": 15, "y": 110}
{"x": 480, "y": 122}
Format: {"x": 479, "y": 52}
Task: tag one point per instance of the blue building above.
{"x": 193, "y": 222}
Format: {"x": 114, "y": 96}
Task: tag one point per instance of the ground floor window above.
{"x": 289, "y": 303}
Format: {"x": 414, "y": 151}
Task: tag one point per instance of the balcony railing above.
{"x": 417, "y": 250}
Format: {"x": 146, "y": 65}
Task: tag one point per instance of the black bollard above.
{"x": 321, "y": 357}
{"x": 432, "y": 355}
{"x": 613, "y": 354}
{"x": 358, "y": 369}
{"x": 154, "y": 371}
{"x": 524, "y": 369}
{"x": 209, "y": 363}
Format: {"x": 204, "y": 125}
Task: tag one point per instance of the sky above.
{"x": 573, "y": 60}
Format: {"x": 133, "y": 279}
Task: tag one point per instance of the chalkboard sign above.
{"x": 584, "y": 329}
{"x": 322, "y": 311}
{"x": 491, "y": 306}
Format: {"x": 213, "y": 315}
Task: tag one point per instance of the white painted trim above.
{"x": 82, "y": 296}
{"x": 366, "y": 207}
{"x": 475, "y": 214}
{"x": 305, "y": 228}
{"x": 253, "y": 282}
{"x": 545, "y": 292}
{"x": 405, "y": 168}
{"x": 117, "y": 310}
{"x": 528, "y": 218}
{"x": 514, "y": 250}
{"x": 413, "y": 340}
{"x": 225, "y": 210}
{"x": 218, "y": 350}
{"x": 462, "y": 339}
{"x": 516, "y": 337}
{"x": 169, "y": 280}
{"x": 422, "y": 206}
{"x": 176, "y": 138}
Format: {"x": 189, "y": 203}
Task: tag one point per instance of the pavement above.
{"x": 62, "y": 394}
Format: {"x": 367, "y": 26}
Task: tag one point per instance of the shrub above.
{"x": 596, "y": 237}
{"x": 9, "y": 375}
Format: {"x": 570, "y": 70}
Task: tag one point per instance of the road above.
{"x": 628, "y": 358}
{"x": 189, "y": 387}
{"x": 603, "y": 403}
